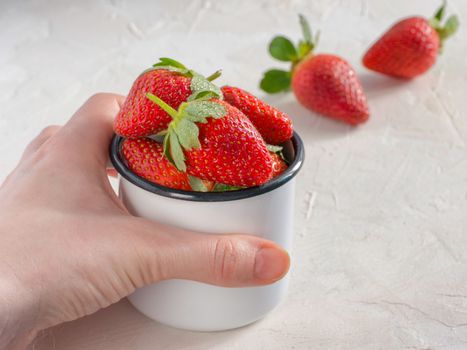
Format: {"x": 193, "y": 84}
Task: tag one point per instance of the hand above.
{"x": 68, "y": 246}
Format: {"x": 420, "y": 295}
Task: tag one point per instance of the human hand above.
{"x": 68, "y": 246}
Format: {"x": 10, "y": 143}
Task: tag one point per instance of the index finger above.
{"x": 90, "y": 129}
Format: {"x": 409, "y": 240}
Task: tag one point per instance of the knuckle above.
{"x": 43, "y": 136}
{"x": 99, "y": 97}
{"x": 41, "y": 155}
{"x": 226, "y": 259}
{"x": 48, "y": 130}
{"x": 105, "y": 100}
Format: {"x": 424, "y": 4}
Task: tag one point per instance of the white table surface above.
{"x": 380, "y": 259}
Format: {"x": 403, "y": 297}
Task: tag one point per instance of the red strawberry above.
{"x": 170, "y": 80}
{"x": 274, "y": 125}
{"x": 410, "y": 47}
{"x": 232, "y": 151}
{"x": 145, "y": 157}
{"x": 278, "y": 165}
{"x": 326, "y": 84}
{"x": 213, "y": 140}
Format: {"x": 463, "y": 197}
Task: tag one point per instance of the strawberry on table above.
{"x": 323, "y": 83}
{"x": 410, "y": 47}
{"x": 212, "y": 140}
{"x": 171, "y": 81}
{"x": 274, "y": 126}
{"x": 328, "y": 85}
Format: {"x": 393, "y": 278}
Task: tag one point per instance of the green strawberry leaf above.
{"x": 224, "y": 188}
{"x": 316, "y": 39}
{"x": 190, "y": 114}
{"x": 197, "y": 184}
{"x": 282, "y": 49}
{"x": 307, "y": 36}
{"x": 200, "y": 84}
{"x": 168, "y": 62}
{"x": 187, "y": 133}
{"x": 172, "y": 65}
{"x": 184, "y": 72}
{"x": 276, "y": 80}
{"x": 274, "y": 148}
{"x": 166, "y": 146}
{"x": 205, "y": 95}
{"x": 198, "y": 111}
{"x": 440, "y": 12}
{"x": 451, "y": 26}
{"x": 176, "y": 151}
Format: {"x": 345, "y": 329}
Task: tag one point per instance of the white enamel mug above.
{"x": 266, "y": 211}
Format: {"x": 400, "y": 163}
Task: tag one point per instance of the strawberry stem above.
{"x": 447, "y": 29}
{"x": 282, "y": 49}
{"x": 214, "y": 75}
{"x": 170, "y": 111}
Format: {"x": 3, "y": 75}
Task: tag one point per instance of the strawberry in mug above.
{"x": 211, "y": 140}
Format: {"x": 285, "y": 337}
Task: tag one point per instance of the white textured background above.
{"x": 380, "y": 258}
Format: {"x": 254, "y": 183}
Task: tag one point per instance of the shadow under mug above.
{"x": 266, "y": 211}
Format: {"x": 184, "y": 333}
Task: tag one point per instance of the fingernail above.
{"x": 271, "y": 263}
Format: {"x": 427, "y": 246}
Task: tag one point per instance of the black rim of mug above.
{"x": 286, "y": 176}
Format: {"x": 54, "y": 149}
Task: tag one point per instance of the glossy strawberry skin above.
{"x": 274, "y": 126}
{"x": 328, "y": 85}
{"x": 139, "y": 116}
{"x": 406, "y": 50}
{"x": 145, "y": 157}
{"x": 232, "y": 151}
{"x": 278, "y": 165}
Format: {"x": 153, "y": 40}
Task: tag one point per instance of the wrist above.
{"x": 17, "y": 319}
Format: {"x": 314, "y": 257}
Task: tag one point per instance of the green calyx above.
{"x": 449, "y": 27}
{"x": 277, "y": 150}
{"x": 200, "y": 86}
{"x": 282, "y": 49}
{"x": 182, "y": 132}
{"x": 218, "y": 187}
{"x": 274, "y": 148}
{"x": 172, "y": 65}
{"x": 197, "y": 184}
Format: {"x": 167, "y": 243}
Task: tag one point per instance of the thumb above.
{"x": 224, "y": 260}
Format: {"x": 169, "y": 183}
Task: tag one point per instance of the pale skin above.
{"x": 68, "y": 247}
